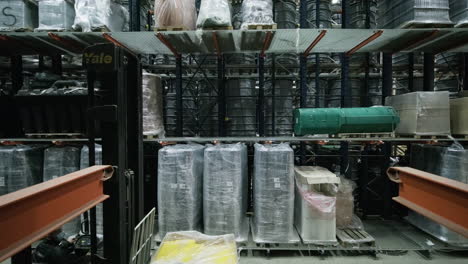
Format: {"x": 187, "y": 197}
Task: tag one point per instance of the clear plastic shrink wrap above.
{"x": 20, "y": 167}
{"x": 345, "y": 217}
{"x": 59, "y": 161}
{"x": 176, "y": 13}
{"x": 153, "y": 123}
{"x": 190, "y": 247}
{"x": 257, "y": 12}
{"x": 180, "y": 177}
{"x": 93, "y": 14}
{"x": 225, "y": 190}
{"x": 18, "y": 15}
{"x": 459, "y": 12}
{"x": 422, "y": 113}
{"x": 56, "y": 14}
{"x": 214, "y": 13}
{"x": 449, "y": 162}
{"x": 84, "y": 163}
{"x": 273, "y": 193}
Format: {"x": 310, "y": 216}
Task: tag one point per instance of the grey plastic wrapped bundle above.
{"x": 94, "y": 14}
{"x": 422, "y": 113}
{"x": 257, "y": 12}
{"x": 180, "y": 177}
{"x": 18, "y": 15}
{"x": 20, "y": 167}
{"x": 59, "y": 161}
{"x": 459, "y": 12}
{"x": 273, "y": 193}
{"x": 449, "y": 162}
{"x": 176, "y": 13}
{"x": 84, "y": 163}
{"x": 413, "y": 13}
{"x": 153, "y": 123}
{"x": 225, "y": 190}
{"x": 56, "y": 14}
{"x": 214, "y": 13}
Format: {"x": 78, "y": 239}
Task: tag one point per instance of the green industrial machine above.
{"x": 378, "y": 119}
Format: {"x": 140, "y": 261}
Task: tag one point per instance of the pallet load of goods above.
{"x": 63, "y": 15}
{"x": 213, "y": 14}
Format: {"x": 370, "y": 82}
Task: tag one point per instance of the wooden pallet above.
{"x": 412, "y": 24}
{"x": 218, "y": 28}
{"x": 54, "y": 30}
{"x": 101, "y": 29}
{"x": 355, "y": 238}
{"x": 54, "y": 135}
{"x": 262, "y": 27}
{"x": 428, "y": 137}
{"x": 171, "y": 28}
{"x": 364, "y": 135}
{"x": 460, "y": 136}
{"x": 6, "y": 29}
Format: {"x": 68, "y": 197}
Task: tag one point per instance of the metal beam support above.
{"x": 221, "y": 98}
{"x": 411, "y": 72}
{"x": 428, "y": 72}
{"x": 50, "y": 204}
{"x": 465, "y": 73}
{"x": 179, "y": 103}
{"x": 388, "y": 190}
{"x": 365, "y": 42}
{"x": 364, "y": 181}
{"x": 387, "y": 79}
{"x": 346, "y": 95}
{"x": 303, "y": 14}
{"x": 273, "y": 94}
{"x": 303, "y": 98}
{"x": 16, "y": 67}
{"x": 134, "y": 15}
{"x": 438, "y": 198}
{"x": 57, "y": 64}
{"x": 261, "y": 97}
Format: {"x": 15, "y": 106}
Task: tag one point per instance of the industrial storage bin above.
{"x": 273, "y": 194}
{"x": 18, "y": 15}
{"x": 56, "y": 14}
{"x": 59, "y": 161}
{"x": 180, "y": 176}
{"x": 20, "y": 167}
{"x": 458, "y": 114}
{"x": 422, "y": 113}
{"x": 315, "y": 204}
{"x": 225, "y": 190}
{"x": 376, "y": 119}
{"x": 413, "y": 13}
{"x": 449, "y": 162}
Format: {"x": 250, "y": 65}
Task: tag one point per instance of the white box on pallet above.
{"x": 18, "y": 15}
{"x": 56, "y": 14}
{"x": 422, "y": 113}
{"x": 458, "y": 114}
{"x": 315, "y": 204}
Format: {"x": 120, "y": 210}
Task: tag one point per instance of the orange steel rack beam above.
{"x": 30, "y": 214}
{"x": 443, "y": 200}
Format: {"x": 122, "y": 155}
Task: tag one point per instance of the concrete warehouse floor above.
{"x": 404, "y": 258}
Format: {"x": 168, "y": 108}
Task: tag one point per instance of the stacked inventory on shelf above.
{"x": 20, "y": 167}
{"x": 273, "y": 194}
{"x": 225, "y": 190}
{"x": 180, "y": 177}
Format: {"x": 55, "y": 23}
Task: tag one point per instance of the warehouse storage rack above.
{"x": 216, "y": 45}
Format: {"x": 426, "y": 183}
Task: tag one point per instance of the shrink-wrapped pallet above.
{"x": 257, "y": 12}
{"x": 273, "y": 193}
{"x": 422, "y": 113}
{"x": 56, "y": 15}
{"x": 18, "y": 15}
{"x": 458, "y": 114}
{"x": 59, "y": 161}
{"x": 459, "y": 12}
{"x": 315, "y": 204}
{"x": 449, "y": 162}
{"x": 84, "y": 163}
{"x": 100, "y": 14}
{"x": 225, "y": 190}
{"x": 175, "y": 13}
{"x": 20, "y": 167}
{"x": 153, "y": 123}
{"x": 180, "y": 179}
{"x": 214, "y": 13}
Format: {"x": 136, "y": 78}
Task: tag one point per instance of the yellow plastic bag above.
{"x": 191, "y": 247}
